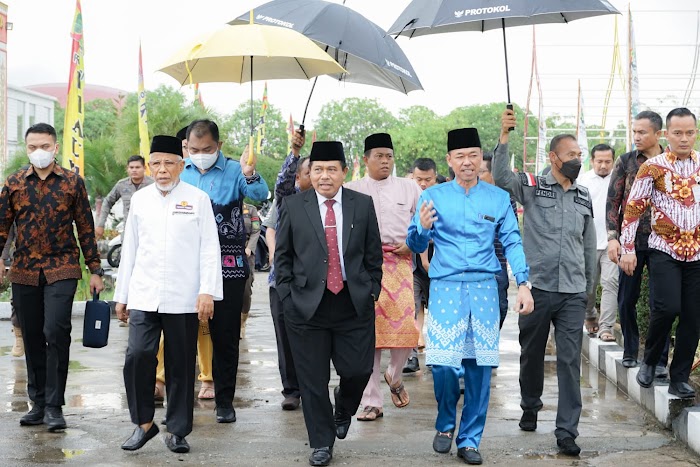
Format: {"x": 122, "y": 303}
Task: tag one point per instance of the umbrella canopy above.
{"x": 227, "y": 54}
{"x": 364, "y": 49}
{"x": 423, "y": 17}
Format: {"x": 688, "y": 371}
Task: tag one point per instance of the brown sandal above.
{"x": 399, "y": 395}
{"x": 159, "y": 392}
{"x": 370, "y": 414}
{"x": 606, "y": 336}
{"x": 592, "y": 326}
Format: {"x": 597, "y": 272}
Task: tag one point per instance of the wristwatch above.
{"x": 612, "y": 235}
{"x": 526, "y": 284}
{"x": 98, "y": 272}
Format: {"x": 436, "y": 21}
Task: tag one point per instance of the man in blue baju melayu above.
{"x": 461, "y": 218}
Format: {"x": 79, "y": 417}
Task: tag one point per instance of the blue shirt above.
{"x": 226, "y": 185}
{"x": 464, "y": 231}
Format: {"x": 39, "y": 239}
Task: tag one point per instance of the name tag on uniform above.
{"x": 545, "y": 193}
{"x": 583, "y": 202}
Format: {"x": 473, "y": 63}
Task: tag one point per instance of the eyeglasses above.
{"x": 168, "y": 164}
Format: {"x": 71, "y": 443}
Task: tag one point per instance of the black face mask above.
{"x": 570, "y": 169}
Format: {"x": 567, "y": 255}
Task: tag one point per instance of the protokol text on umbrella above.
{"x": 393, "y": 65}
{"x": 275, "y": 21}
{"x": 482, "y": 11}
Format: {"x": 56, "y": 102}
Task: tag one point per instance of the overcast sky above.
{"x": 455, "y": 69}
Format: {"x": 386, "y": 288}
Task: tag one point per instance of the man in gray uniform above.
{"x": 560, "y": 246}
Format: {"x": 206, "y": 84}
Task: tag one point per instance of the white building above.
{"x": 24, "y": 109}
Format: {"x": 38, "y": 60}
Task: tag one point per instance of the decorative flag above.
{"x": 634, "y": 81}
{"x": 73, "y": 149}
{"x": 290, "y": 134}
{"x": 355, "y": 168}
{"x": 313, "y": 137}
{"x": 144, "y": 140}
{"x": 198, "y": 95}
{"x": 261, "y": 124}
{"x": 540, "y": 161}
{"x": 581, "y": 131}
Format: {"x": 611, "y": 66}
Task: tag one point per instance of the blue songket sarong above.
{"x": 463, "y": 321}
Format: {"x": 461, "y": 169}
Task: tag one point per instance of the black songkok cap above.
{"x": 182, "y": 134}
{"x": 463, "y": 138}
{"x": 378, "y": 140}
{"x": 327, "y": 151}
{"x": 166, "y": 144}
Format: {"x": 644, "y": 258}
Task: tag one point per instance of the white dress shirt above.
{"x": 598, "y": 187}
{"x": 338, "y": 210}
{"x": 170, "y": 252}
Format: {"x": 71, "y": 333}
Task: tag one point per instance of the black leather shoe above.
{"x": 568, "y": 447}
{"x": 629, "y": 362}
{"x": 139, "y": 438}
{"x": 645, "y": 377}
{"x": 682, "y": 390}
{"x": 177, "y": 444}
{"x": 411, "y": 365}
{"x": 528, "y": 422}
{"x": 442, "y": 442}
{"x": 321, "y": 456}
{"x": 470, "y": 456}
{"x": 291, "y": 403}
{"x": 342, "y": 420}
{"x": 225, "y": 415}
{"x": 53, "y": 418}
{"x": 660, "y": 372}
{"x": 33, "y": 417}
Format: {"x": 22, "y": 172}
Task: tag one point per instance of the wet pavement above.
{"x": 613, "y": 429}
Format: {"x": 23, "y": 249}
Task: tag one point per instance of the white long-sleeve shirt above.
{"x": 170, "y": 253}
{"x": 598, "y": 187}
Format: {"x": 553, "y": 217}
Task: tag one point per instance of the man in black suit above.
{"x": 328, "y": 296}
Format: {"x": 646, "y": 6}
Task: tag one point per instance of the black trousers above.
{"x": 44, "y": 314}
{"x": 677, "y": 294}
{"x": 334, "y": 333}
{"x": 627, "y": 296}
{"x": 566, "y": 311}
{"x": 180, "y": 334}
{"x": 225, "y": 330}
{"x": 290, "y": 383}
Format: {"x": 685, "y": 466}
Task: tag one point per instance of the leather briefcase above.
{"x": 96, "y": 323}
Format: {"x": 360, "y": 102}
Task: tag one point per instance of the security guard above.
{"x": 251, "y": 219}
{"x": 560, "y": 246}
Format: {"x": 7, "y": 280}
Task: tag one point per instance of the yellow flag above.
{"x": 144, "y": 144}
{"x": 73, "y": 149}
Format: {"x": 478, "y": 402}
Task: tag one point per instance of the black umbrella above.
{"x": 423, "y": 17}
{"x": 366, "y": 51}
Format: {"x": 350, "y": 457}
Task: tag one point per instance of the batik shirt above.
{"x": 672, "y": 187}
{"x": 226, "y": 185}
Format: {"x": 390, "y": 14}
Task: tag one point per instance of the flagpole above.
{"x": 629, "y": 79}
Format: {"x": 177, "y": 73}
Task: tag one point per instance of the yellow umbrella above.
{"x": 227, "y": 55}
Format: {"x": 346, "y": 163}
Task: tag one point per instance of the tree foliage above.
{"x": 235, "y": 130}
{"x": 351, "y": 121}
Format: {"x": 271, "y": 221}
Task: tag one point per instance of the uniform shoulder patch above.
{"x": 528, "y": 179}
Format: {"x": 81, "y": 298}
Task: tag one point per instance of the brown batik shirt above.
{"x": 44, "y": 212}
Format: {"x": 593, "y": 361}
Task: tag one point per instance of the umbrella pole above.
{"x": 505, "y": 54}
{"x": 252, "y": 127}
{"x": 301, "y": 127}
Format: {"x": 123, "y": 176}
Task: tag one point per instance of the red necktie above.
{"x": 334, "y": 279}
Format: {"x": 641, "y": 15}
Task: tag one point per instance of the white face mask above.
{"x": 204, "y": 161}
{"x": 41, "y": 158}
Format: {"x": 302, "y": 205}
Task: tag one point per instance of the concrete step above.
{"x": 674, "y": 413}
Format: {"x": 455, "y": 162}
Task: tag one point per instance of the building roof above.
{"x": 92, "y": 92}
{"x": 30, "y": 92}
